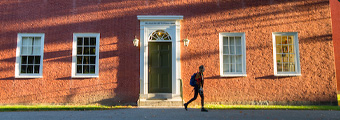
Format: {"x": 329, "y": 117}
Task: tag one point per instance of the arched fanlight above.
{"x": 159, "y": 35}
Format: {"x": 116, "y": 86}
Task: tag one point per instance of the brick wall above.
{"x": 117, "y": 24}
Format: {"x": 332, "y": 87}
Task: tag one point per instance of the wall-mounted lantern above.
{"x": 186, "y": 41}
{"x": 135, "y": 42}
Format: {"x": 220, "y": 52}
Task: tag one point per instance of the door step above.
{"x": 157, "y": 99}
{"x": 159, "y": 103}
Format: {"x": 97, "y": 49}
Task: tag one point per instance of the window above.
{"x": 159, "y": 35}
{"x": 286, "y": 54}
{"x": 85, "y": 55}
{"x": 29, "y": 55}
{"x": 232, "y": 54}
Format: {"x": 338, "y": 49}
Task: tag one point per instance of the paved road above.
{"x": 173, "y": 114}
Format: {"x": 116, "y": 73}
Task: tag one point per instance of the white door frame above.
{"x": 171, "y": 24}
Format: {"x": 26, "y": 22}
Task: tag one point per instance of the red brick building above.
{"x": 81, "y": 52}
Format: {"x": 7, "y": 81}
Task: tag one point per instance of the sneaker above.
{"x": 186, "y": 106}
{"x": 204, "y": 110}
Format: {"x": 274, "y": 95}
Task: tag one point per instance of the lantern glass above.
{"x": 135, "y": 42}
{"x": 186, "y": 42}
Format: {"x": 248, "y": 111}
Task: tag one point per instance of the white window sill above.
{"x": 235, "y": 75}
{"x": 286, "y": 75}
{"x": 85, "y": 76}
{"x": 28, "y": 76}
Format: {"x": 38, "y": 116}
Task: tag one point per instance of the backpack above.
{"x": 192, "y": 80}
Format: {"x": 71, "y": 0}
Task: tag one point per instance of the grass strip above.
{"x": 7, "y": 108}
{"x": 269, "y": 107}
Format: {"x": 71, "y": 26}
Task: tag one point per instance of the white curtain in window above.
{"x": 232, "y": 54}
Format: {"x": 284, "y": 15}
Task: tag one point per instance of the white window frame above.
{"x": 296, "y": 50}
{"x": 74, "y": 55}
{"x": 243, "y": 48}
{"x": 18, "y": 54}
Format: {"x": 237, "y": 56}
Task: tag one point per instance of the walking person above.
{"x": 197, "y": 81}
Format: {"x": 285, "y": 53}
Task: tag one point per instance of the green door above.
{"x": 159, "y": 67}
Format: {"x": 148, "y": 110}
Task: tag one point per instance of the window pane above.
{"x": 279, "y": 67}
{"x": 291, "y": 49}
{"x": 278, "y": 48}
{"x": 238, "y": 50}
{"x": 239, "y": 59}
{"x": 79, "y": 50}
{"x": 92, "y": 41}
{"x": 291, "y": 57}
{"x": 36, "y": 51}
{"x": 92, "y": 50}
{"x": 232, "y": 67}
{"x": 92, "y": 68}
{"x": 86, "y": 60}
{"x": 225, "y": 50}
{"x": 284, "y": 40}
{"x": 37, "y": 41}
{"x": 29, "y": 50}
{"x": 285, "y": 49}
{"x": 23, "y": 68}
{"x": 79, "y": 69}
{"x": 36, "y": 68}
{"x": 238, "y": 67}
{"x": 79, "y": 41}
{"x": 24, "y": 50}
{"x": 285, "y": 67}
{"x": 290, "y": 39}
{"x": 86, "y": 50}
{"x": 86, "y": 41}
{"x": 85, "y": 69}
{"x": 225, "y": 41}
{"x": 278, "y": 58}
{"x": 225, "y": 68}
{"x": 79, "y": 59}
{"x": 238, "y": 40}
{"x": 226, "y": 59}
{"x": 232, "y": 50}
{"x": 27, "y": 41}
{"x": 232, "y": 59}
{"x": 292, "y": 67}
{"x": 166, "y": 37}
{"x": 285, "y": 57}
{"x": 37, "y": 60}
{"x": 30, "y": 60}
{"x": 30, "y": 69}
{"x": 153, "y": 37}
{"x": 24, "y": 60}
{"x": 278, "y": 39}
{"x": 232, "y": 41}
{"x": 92, "y": 59}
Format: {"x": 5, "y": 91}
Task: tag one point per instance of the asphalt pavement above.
{"x": 172, "y": 114}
